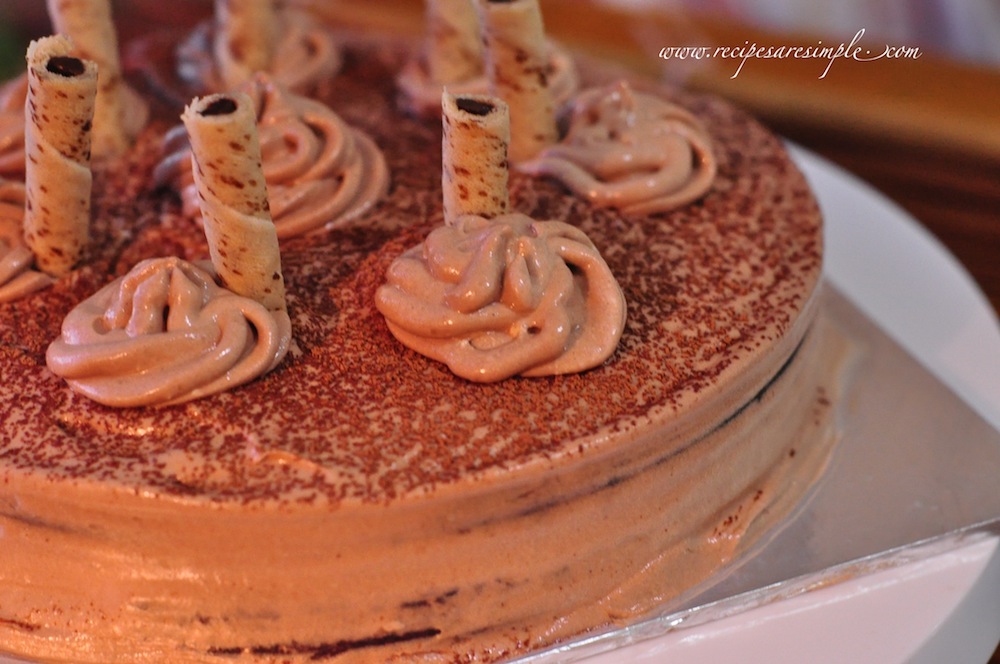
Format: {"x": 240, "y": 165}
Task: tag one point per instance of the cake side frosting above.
{"x": 654, "y": 504}
{"x": 355, "y": 441}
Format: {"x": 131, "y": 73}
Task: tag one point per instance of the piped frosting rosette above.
{"x": 504, "y": 297}
{"x": 166, "y": 333}
{"x": 17, "y": 275}
{"x": 244, "y": 37}
{"x": 320, "y": 171}
{"x": 630, "y": 150}
{"x": 170, "y": 331}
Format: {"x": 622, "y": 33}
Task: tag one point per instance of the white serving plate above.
{"x": 940, "y": 608}
{"x": 944, "y": 607}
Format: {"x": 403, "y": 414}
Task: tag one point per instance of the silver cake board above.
{"x": 915, "y": 473}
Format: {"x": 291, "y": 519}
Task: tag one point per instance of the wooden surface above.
{"x": 924, "y": 131}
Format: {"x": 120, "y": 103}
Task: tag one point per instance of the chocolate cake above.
{"x": 360, "y": 502}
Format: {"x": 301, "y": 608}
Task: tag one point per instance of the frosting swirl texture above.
{"x": 12, "y": 96}
{"x": 320, "y": 171}
{"x": 630, "y": 150}
{"x": 504, "y": 297}
{"x": 304, "y": 56}
{"x": 166, "y": 333}
{"x": 17, "y": 277}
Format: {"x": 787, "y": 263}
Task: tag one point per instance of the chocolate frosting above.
{"x": 710, "y": 286}
{"x": 361, "y": 500}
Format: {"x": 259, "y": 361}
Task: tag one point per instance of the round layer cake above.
{"x": 361, "y": 503}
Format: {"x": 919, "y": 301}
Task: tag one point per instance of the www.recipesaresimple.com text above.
{"x": 852, "y": 50}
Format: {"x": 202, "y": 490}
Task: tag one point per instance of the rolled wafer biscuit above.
{"x": 474, "y": 171}
{"x": 119, "y": 114}
{"x": 246, "y": 38}
{"x": 59, "y": 109}
{"x": 517, "y": 66}
{"x": 226, "y": 163}
{"x": 454, "y": 48}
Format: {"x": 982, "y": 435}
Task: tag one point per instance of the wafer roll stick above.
{"x": 475, "y": 138}
{"x": 517, "y": 66}
{"x": 226, "y": 163}
{"x": 246, "y": 32}
{"x": 454, "y": 47}
{"x": 58, "y": 112}
{"x": 88, "y": 23}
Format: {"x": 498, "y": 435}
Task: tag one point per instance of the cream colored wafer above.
{"x": 517, "y": 66}
{"x": 454, "y": 47}
{"x": 226, "y": 163}
{"x": 474, "y": 172}
{"x": 246, "y": 34}
{"x": 118, "y": 115}
{"x": 59, "y": 109}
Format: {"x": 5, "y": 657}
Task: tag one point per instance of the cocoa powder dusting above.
{"x": 363, "y": 417}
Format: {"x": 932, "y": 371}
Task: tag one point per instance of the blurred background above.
{"x": 967, "y": 30}
{"x": 925, "y": 131}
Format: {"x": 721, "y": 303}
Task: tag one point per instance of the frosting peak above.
{"x": 630, "y": 150}
{"x": 507, "y": 296}
{"x": 320, "y": 171}
{"x": 166, "y": 333}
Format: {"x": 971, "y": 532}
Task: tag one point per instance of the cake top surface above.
{"x": 351, "y": 414}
